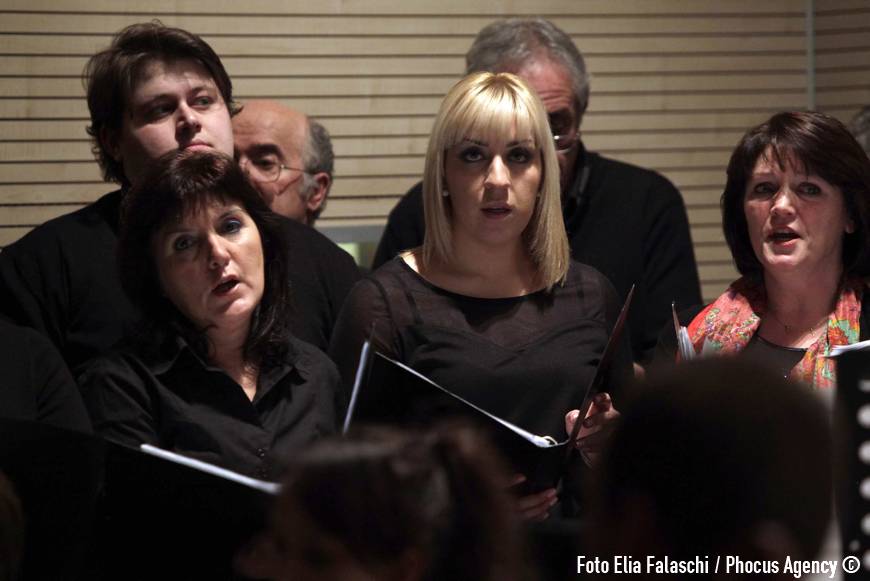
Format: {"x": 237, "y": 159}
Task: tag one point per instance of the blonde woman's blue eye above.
{"x": 472, "y": 154}
{"x": 520, "y": 155}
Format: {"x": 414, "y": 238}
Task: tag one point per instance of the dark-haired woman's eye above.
{"x": 810, "y": 189}
{"x": 182, "y": 243}
{"x": 231, "y": 226}
{"x": 763, "y": 189}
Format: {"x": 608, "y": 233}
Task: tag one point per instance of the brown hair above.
{"x": 112, "y": 74}
{"x": 380, "y": 493}
{"x": 824, "y": 147}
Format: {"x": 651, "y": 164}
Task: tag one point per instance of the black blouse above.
{"x": 527, "y": 359}
{"x": 177, "y": 401}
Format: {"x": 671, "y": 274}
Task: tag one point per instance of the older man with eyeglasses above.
{"x": 628, "y": 222}
{"x": 288, "y": 157}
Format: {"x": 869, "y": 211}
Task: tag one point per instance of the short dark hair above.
{"x": 383, "y": 492}
{"x": 824, "y": 147}
{"x": 183, "y": 181}
{"x": 112, "y": 74}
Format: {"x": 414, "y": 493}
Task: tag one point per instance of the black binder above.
{"x": 163, "y": 519}
{"x": 391, "y": 393}
{"x": 57, "y": 474}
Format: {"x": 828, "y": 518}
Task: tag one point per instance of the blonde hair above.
{"x": 493, "y": 104}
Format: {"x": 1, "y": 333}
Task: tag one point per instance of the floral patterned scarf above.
{"x": 729, "y": 322}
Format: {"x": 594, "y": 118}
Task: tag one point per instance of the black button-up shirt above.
{"x": 177, "y": 401}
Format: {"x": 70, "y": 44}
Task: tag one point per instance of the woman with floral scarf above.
{"x": 796, "y": 216}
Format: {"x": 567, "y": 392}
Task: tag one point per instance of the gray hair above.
{"x": 859, "y": 127}
{"x": 507, "y": 44}
{"x": 317, "y": 156}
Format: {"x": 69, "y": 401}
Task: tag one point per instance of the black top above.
{"x": 62, "y": 280}
{"x": 174, "y": 400}
{"x": 36, "y": 384}
{"x": 527, "y": 359}
{"x": 779, "y": 358}
{"x": 629, "y": 223}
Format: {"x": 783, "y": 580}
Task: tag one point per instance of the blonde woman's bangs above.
{"x": 496, "y": 113}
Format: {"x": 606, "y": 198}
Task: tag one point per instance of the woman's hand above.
{"x": 597, "y": 426}
{"x": 534, "y": 507}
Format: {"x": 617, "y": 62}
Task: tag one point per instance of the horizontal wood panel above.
{"x": 492, "y": 8}
{"x": 718, "y": 271}
{"x": 380, "y": 106}
{"x": 600, "y": 65}
{"x": 829, "y": 7}
{"x": 709, "y": 216}
{"x": 9, "y": 234}
{"x": 711, "y": 290}
{"x": 847, "y": 40}
{"x": 401, "y": 24}
{"x": 706, "y": 253}
{"x": 706, "y": 233}
{"x": 829, "y": 24}
{"x": 431, "y": 86}
{"x": 852, "y": 59}
{"x": 828, "y": 81}
{"x": 839, "y": 97}
{"x": 236, "y": 46}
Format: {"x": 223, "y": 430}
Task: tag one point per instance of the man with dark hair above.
{"x": 630, "y": 223}
{"x": 153, "y": 90}
{"x": 288, "y": 157}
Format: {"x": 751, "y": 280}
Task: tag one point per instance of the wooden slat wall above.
{"x": 842, "y": 30}
{"x": 674, "y": 85}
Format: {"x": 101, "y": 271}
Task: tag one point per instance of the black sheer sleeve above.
{"x": 366, "y": 313}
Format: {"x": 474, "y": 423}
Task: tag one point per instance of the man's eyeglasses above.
{"x": 565, "y": 142}
{"x": 265, "y": 170}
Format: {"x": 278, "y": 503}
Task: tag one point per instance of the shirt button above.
{"x": 261, "y": 452}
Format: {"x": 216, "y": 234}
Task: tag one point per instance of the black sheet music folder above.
{"x": 388, "y": 392}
